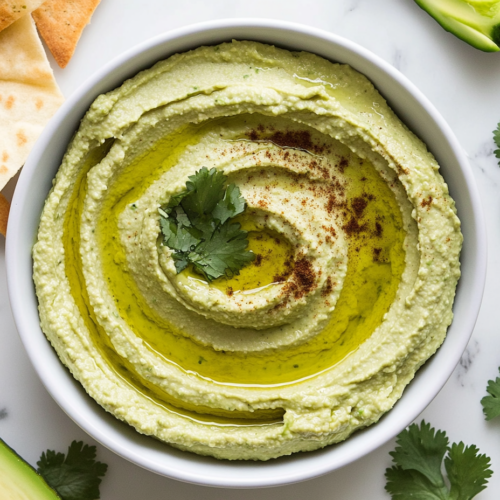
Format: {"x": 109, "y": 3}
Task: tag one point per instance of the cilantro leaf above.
{"x": 205, "y": 190}
{"x": 175, "y": 200}
{"x": 197, "y": 225}
{"x": 468, "y": 471}
{"x": 491, "y": 403}
{"x": 496, "y": 138}
{"x": 417, "y": 465}
{"x": 224, "y": 253}
{"x": 422, "y": 449}
{"x": 231, "y": 205}
{"x": 181, "y": 261}
{"x": 76, "y": 476}
{"x": 178, "y": 237}
{"x": 403, "y": 484}
{"x": 181, "y": 217}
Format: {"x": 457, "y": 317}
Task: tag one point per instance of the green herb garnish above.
{"x": 496, "y": 138}
{"x": 418, "y": 462}
{"x": 196, "y": 224}
{"x": 76, "y": 476}
{"x": 491, "y": 403}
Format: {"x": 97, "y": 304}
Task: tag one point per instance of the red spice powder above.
{"x": 427, "y": 202}
{"x": 327, "y": 289}
{"x": 358, "y": 205}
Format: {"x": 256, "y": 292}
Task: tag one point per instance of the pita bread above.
{"x": 61, "y": 22}
{"x": 4, "y": 214}
{"x": 12, "y": 10}
{"x": 29, "y": 95}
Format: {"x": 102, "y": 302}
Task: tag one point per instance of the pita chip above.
{"x": 4, "y": 214}
{"x": 12, "y": 10}
{"x": 29, "y": 94}
{"x": 61, "y": 22}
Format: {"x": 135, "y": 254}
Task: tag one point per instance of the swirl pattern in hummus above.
{"x": 356, "y": 237}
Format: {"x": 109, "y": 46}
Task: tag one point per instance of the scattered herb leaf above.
{"x": 491, "y": 403}
{"x": 496, "y": 138}
{"x": 76, "y": 476}
{"x": 196, "y": 224}
{"x": 468, "y": 472}
{"x": 418, "y": 459}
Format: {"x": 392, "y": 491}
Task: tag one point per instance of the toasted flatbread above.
{"x": 29, "y": 95}
{"x": 4, "y": 214}
{"x": 12, "y": 10}
{"x": 61, "y": 22}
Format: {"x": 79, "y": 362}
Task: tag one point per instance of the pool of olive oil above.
{"x": 375, "y": 265}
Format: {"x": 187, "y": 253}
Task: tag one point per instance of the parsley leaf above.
{"x": 418, "y": 459}
{"x": 491, "y": 403}
{"x": 76, "y": 476}
{"x": 196, "y": 224}
{"x": 496, "y": 138}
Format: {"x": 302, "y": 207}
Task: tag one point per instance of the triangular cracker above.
{"x": 61, "y": 22}
{"x": 12, "y": 10}
{"x": 4, "y": 214}
{"x": 29, "y": 95}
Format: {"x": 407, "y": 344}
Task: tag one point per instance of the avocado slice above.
{"x": 476, "y": 22}
{"x": 18, "y": 480}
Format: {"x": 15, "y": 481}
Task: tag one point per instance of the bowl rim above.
{"x": 119, "y": 439}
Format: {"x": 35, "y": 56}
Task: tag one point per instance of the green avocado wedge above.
{"x": 476, "y": 22}
{"x": 18, "y": 480}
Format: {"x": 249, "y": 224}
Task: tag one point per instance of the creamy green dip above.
{"x": 321, "y": 333}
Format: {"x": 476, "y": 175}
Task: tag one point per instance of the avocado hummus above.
{"x": 356, "y": 244}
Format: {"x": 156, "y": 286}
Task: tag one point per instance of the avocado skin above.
{"x": 18, "y": 480}
{"x": 460, "y": 19}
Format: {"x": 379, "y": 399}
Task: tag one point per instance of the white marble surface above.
{"x": 464, "y": 86}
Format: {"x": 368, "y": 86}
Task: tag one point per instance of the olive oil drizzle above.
{"x": 369, "y": 288}
{"x": 120, "y": 366}
{"x": 273, "y": 263}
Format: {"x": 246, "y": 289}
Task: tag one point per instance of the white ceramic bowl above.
{"x": 36, "y": 179}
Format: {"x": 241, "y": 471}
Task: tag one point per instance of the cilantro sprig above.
{"x": 496, "y": 138}
{"x": 491, "y": 403}
{"x": 77, "y": 475}
{"x": 417, "y": 470}
{"x": 197, "y": 224}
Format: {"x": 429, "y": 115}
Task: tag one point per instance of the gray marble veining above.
{"x": 397, "y": 60}
{"x": 468, "y": 357}
{"x": 352, "y": 6}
